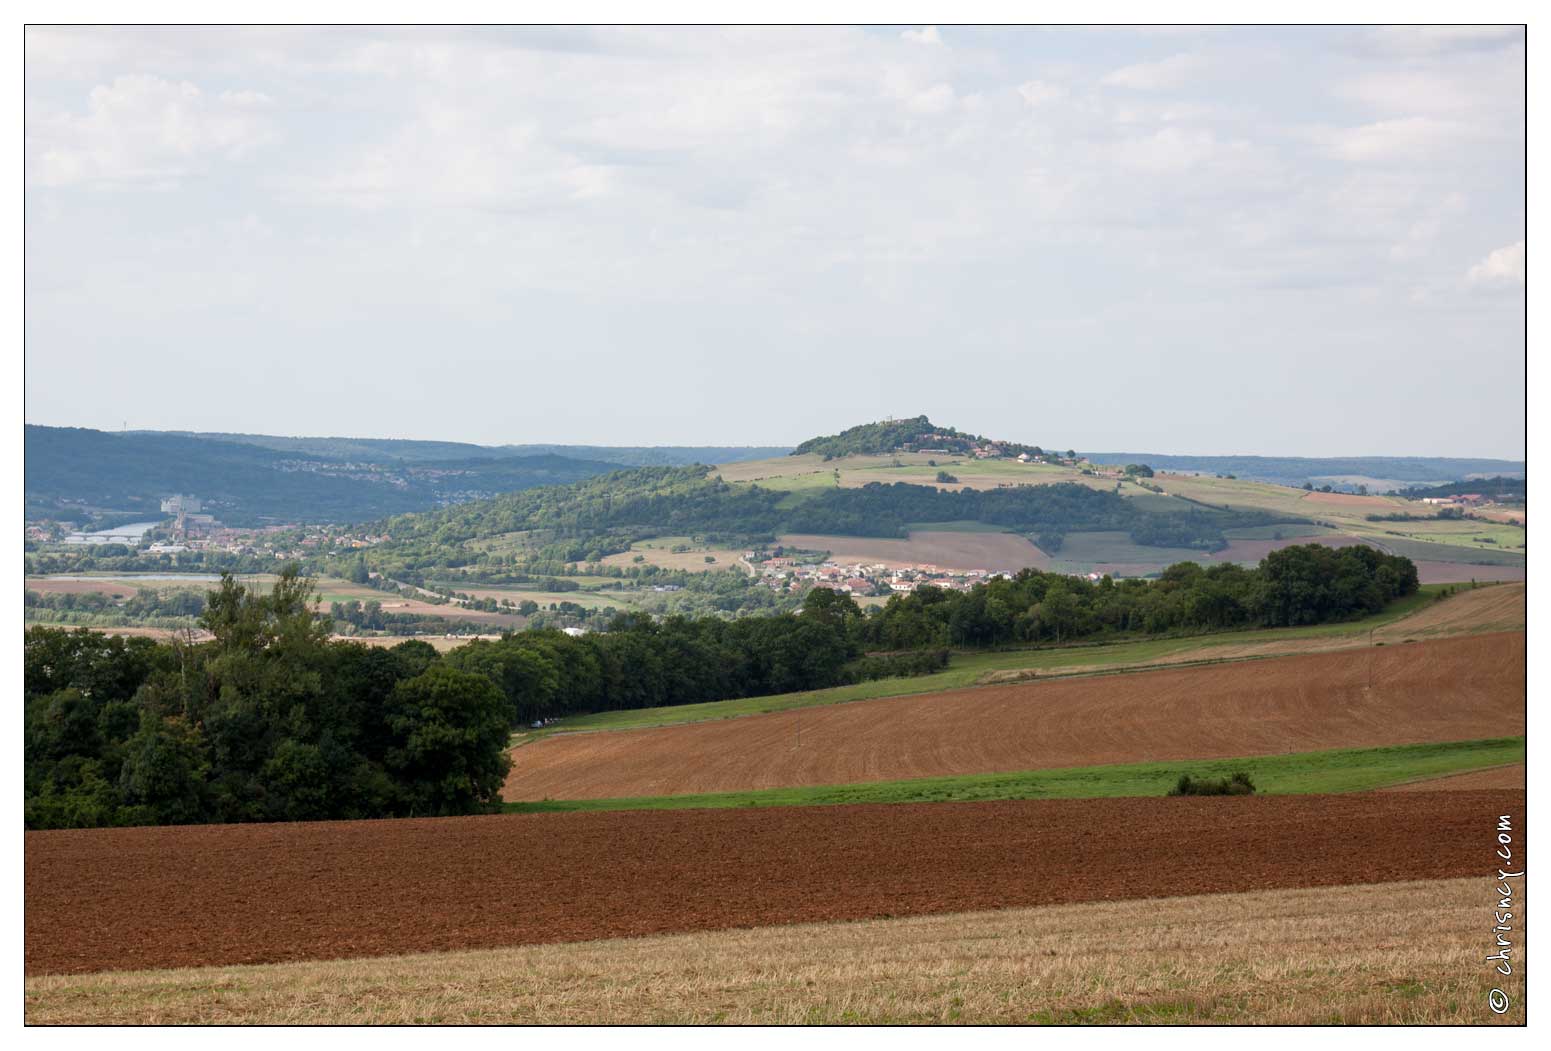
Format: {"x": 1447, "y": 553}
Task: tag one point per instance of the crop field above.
{"x": 946, "y": 549}
{"x": 342, "y": 591}
{"x": 102, "y": 586}
{"x": 971, "y": 474}
{"x": 1511, "y": 775}
{"x": 659, "y": 552}
{"x": 1250, "y": 552}
{"x": 1427, "y": 692}
{"x": 1367, "y": 953}
{"x": 586, "y": 599}
{"x": 1501, "y": 607}
{"x": 129, "y": 899}
{"x": 1281, "y": 531}
{"x": 1105, "y": 549}
{"x": 1437, "y": 766}
{"x": 1464, "y": 532}
{"x": 1426, "y": 550}
{"x": 1344, "y": 512}
{"x": 1463, "y": 573}
{"x": 125, "y": 585}
{"x": 765, "y": 471}
{"x": 798, "y": 474}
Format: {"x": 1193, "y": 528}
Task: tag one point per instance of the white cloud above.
{"x": 1501, "y": 267}
{"x": 1436, "y": 40}
{"x": 1155, "y": 76}
{"x": 143, "y": 128}
{"x": 1039, "y": 92}
{"x": 1402, "y": 139}
{"x": 928, "y": 35}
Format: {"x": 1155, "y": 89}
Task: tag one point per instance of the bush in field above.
{"x": 1237, "y": 784}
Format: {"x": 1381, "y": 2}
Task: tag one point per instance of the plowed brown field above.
{"x": 1444, "y": 690}
{"x": 1464, "y": 572}
{"x": 116, "y": 588}
{"x": 126, "y": 899}
{"x": 1511, "y": 776}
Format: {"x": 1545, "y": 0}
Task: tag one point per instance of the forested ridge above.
{"x": 246, "y": 484}
{"x": 274, "y": 721}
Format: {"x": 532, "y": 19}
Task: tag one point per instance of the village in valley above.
{"x": 788, "y": 572}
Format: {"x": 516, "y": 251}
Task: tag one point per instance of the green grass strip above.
{"x": 1339, "y": 770}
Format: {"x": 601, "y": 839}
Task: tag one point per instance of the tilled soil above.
{"x": 1444, "y": 690}
{"x": 1464, "y": 572}
{"x": 129, "y": 899}
{"x": 1510, "y": 776}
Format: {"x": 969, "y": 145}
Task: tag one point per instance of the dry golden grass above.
{"x": 1501, "y": 607}
{"x": 1390, "y": 953}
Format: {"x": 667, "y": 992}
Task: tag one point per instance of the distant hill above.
{"x": 396, "y": 450}
{"x": 915, "y": 433}
{"x": 68, "y": 468}
{"x": 1390, "y": 472}
{"x": 1503, "y": 490}
{"x": 542, "y": 529}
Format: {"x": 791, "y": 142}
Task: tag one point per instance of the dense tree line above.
{"x": 370, "y": 616}
{"x": 269, "y": 722}
{"x": 144, "y": 603}
{"x": 1307, "y": 584}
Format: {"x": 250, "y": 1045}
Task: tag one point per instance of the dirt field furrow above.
{"x": 1443, "y": 690}
{"x": 127, "y": 899}
{"x": 1511, "y": 776}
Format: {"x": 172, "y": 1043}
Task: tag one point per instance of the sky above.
{"x": 1299, "y": 241}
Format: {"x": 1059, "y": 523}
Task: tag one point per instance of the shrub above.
{"x": 1237, "y": 784}
{"x": 894, "y": 665}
